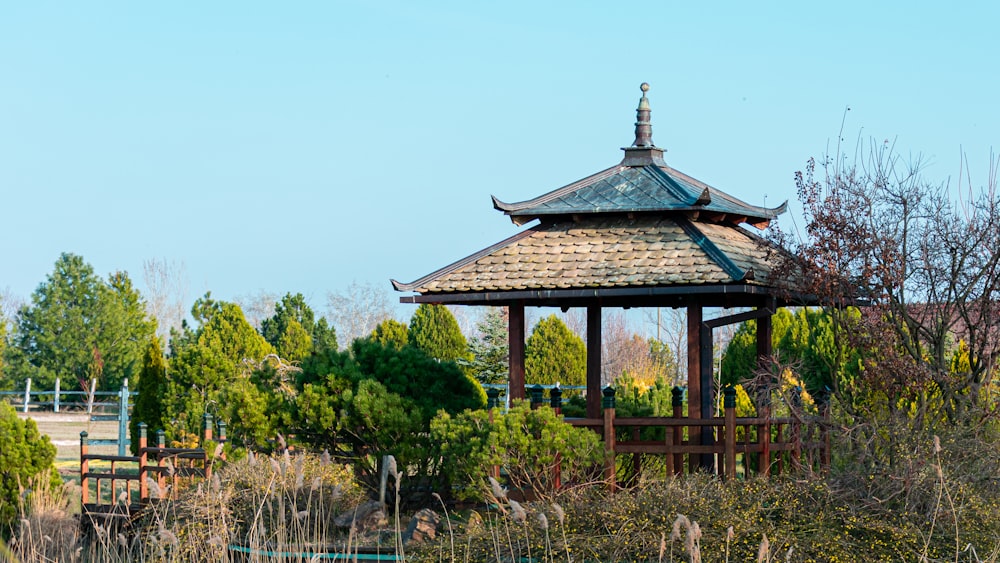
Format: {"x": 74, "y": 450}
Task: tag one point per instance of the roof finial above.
{"x": 643, "y": 128}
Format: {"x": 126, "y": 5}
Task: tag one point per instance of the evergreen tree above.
{"x": 151, "y": 387}
{"x": 294, "y": 309}
{"x": 434, "y": 330}
{"x": 391, "y": 332}
{"x": 24, "y": 454}
{"x": 554, "y": 354}
{"x": 207, "y": 366}
{"x": 491, "y": 347}
{"x": 78, "y": 327}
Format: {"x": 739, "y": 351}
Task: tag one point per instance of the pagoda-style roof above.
{"x": 649, "y": 186}
{"x": 606, "y": 251}
{"x": 635, "y": 233}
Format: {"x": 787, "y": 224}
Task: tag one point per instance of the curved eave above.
{"x": 692, "y": 196}
{"x": 513, "y": 208}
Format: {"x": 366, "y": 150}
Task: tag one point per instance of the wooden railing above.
{"x": 118, "y": 487}
{"x": 764, "y": 444}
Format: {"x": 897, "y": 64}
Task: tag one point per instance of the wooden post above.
{"x": 161, "y": 444}
{"x": 636, "y": 457}
{"x": 555, "y": 399}
{"x": 796, "y": 460}
{"x": 729, "y": 403}
{"x": 55, "y": 400}
{"x": 206, "y": 427}
{"x": 824, "y": 433}
{"x": 84, "y": 470}
{"x": 677, "y": 400}
{"x": 593, "y": 361}
{"x": 694, "y": 381}
{"x": 708, "y": 406}
{"x": 609, "y": 436}
{"x": 536, "y": 392}
{"x": 764, "y": 398}
{"x": 515, "y": 338}
{"x": 143, "y": 459}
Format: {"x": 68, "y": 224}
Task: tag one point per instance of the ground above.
{"x": 64, "y": 431}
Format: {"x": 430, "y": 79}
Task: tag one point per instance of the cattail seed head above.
{"x": 499, "y": 492}
{"x": 937, "y": 444}
{"x": 764, "y": 551}
{"x": 316, "y": 483}
{"x": 517, "y": 512}
{"x": 543, "y": 521}
{"x": 324, "y": 460}
{"x": 730, "y": 534}
{"x": 560, "y": 513}
{"x": 391, "y": 467}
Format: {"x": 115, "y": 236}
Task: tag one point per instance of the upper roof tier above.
{"x": 641, "y": 183}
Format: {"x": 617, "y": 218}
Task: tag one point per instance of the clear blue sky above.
{"x": 300, "y": 146}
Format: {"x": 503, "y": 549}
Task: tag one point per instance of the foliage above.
{"x": 527, "y": 444}
{"x": 78, "y": 327}
{"x": 553, "y": 354}
{"x": 209, "y": 369}
{"x": 434, "y": 330}
{"x": 151, "y": 388}
{"x": 930, "y": 268}
{"x": 490, "y": 348}
{"x": 23, "y": 455}
{"x": 391, "y": 332}
{"x": 294, "y": 331}
{"x": 379, "y": 400}
{"x": 802, "y": 342}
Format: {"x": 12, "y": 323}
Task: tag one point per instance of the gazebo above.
{"x": 637, "y": 234}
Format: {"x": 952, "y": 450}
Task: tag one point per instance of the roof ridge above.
{"x": 713, "y": 251}
{"x": 675, "y": 189}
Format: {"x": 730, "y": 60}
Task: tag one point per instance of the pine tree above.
{"x": 491, "y": 347}
{"x": 434, "y": 330}
{"x": 391, "y": 332}
{"x": 151, "y": 387}
{"x": 294, "y": 309}
{"x": 553, "y": 354}
{"x": 78, "y": 326}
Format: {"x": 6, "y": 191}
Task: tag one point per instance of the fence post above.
{"x": 161, "y": 444}
{"x": 677, "y": 401}
{"x": 123, "y": 438}
{"x": 536, "y": 393}
{"x": 555, "y": 399}
{"x": 824, "y": 434}
{"x": 84, "y": 470}
{"x": 143, "y": 458}
{"x": 206, "y": 427}
{"x": 609, "y": 436}
{"x": 27, "y": 393}
{"x": 796, "y": 427}
{"x": 55, "y": 400}
{"x": 729, "y": 403}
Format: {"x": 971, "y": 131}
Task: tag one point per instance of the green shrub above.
{"x": 24, "y": 454}
{"x": 527, "y": 444}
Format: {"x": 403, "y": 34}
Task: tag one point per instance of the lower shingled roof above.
{"x": 607, "y": 252}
